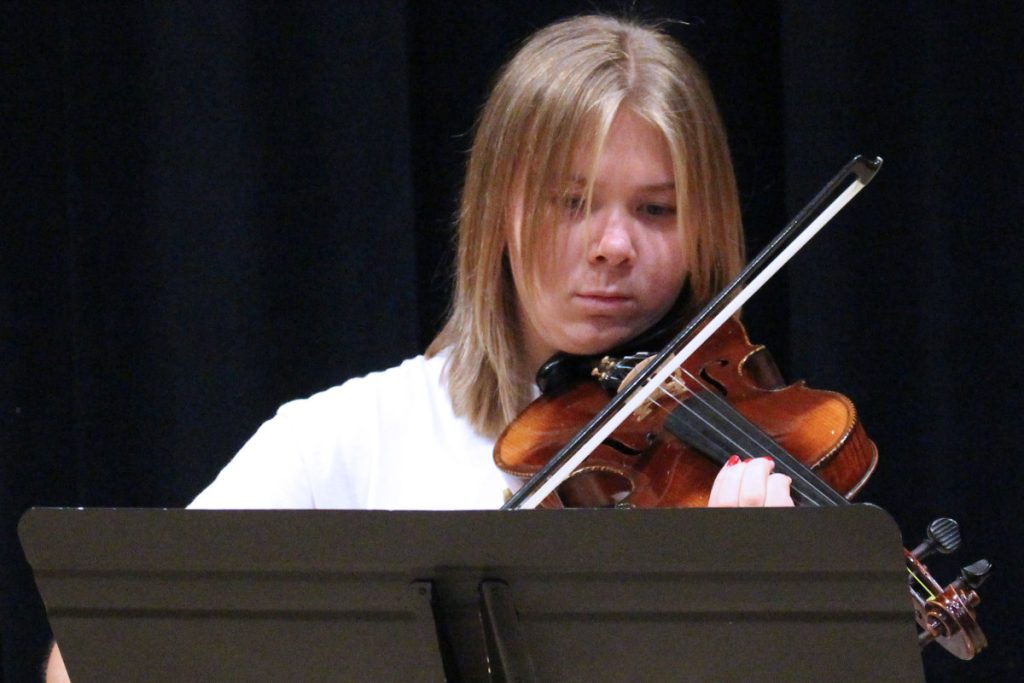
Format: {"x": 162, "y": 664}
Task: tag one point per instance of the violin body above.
{"x": 664, "y": 455}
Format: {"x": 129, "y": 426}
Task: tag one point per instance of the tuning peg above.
{"x": 973, "y": 575}
{"x": 943, "y": 537}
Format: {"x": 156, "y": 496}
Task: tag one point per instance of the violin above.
{"x": 725, "y": 399}
{"x": 729, "y": 398}
{"x": 675, "y": 418}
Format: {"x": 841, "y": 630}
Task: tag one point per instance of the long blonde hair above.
{"x": 560, "y": 91}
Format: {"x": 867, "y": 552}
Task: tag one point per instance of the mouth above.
{"x": 603, "y": 301}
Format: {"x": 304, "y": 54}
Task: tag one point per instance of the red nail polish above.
{"x": 733, "y": 459}
{"x": 769, "y": 458}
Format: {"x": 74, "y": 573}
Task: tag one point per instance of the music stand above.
{"x": 575, "y": 595}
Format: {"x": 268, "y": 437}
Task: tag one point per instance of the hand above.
{"x": 750, "y": 483}
{"x": 55, "y": 671}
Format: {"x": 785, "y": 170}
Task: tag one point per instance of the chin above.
{"x": 597, "y": 341}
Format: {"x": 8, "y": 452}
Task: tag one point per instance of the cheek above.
{"x": 669, "y": 272}
{"x": 556, "y": 265}
{"x": 663, "y": 294}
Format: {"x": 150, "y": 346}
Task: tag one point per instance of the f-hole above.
{"x": 706, "y": 377}
{"x": 597, "y": 488}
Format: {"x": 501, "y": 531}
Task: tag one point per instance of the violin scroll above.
{"x": 946, "y": 615}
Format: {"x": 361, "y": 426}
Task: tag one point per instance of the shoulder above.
{"x": 322, "y": 450}
{"x": 413, "y": 380}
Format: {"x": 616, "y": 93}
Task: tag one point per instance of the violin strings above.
{"x": 730, "y": 440}
{"x": 729, "y": 417}
{"x": 924, "y": 586}
{"x": 802, "y": 483}
{"x": 682, "y": 404}
{"x": 804, "y": 480}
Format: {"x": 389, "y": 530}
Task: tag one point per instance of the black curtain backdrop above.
{"x": 211, "y": 208}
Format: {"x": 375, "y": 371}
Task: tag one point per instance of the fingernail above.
{"x": 733, "y": 459}
{"x": 769, "y": 458}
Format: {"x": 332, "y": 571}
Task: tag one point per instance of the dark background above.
{"x": 211, "y": 208}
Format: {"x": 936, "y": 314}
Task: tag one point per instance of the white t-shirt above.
{"x": 389, "y": 440}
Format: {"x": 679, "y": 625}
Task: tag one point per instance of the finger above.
{"x": 725, "y": 490}
{"x": 778, "y": 493}
{"x": 754, "y": 486}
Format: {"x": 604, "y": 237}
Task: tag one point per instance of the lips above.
{"x": 603, "y": 301}
{"x": 602, "y": 294}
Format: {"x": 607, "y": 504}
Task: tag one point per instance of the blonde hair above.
{"x": 560, "y": 93}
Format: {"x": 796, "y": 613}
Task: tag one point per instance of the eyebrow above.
{"x": 655, "y": 187}
{"x": 659, "y": 187}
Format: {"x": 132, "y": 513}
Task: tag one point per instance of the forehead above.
{"x": 630, "y": 148}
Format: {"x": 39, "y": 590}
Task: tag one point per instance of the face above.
{"x": 618, "y": 264}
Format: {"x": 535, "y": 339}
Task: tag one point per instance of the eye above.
{"x": 573, "y": 204}
{"x": 654, "y": 210}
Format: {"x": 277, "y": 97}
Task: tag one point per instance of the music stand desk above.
{"x": 574, "y": 595}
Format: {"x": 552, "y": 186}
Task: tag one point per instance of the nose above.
{"x": 612, "y": 239}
